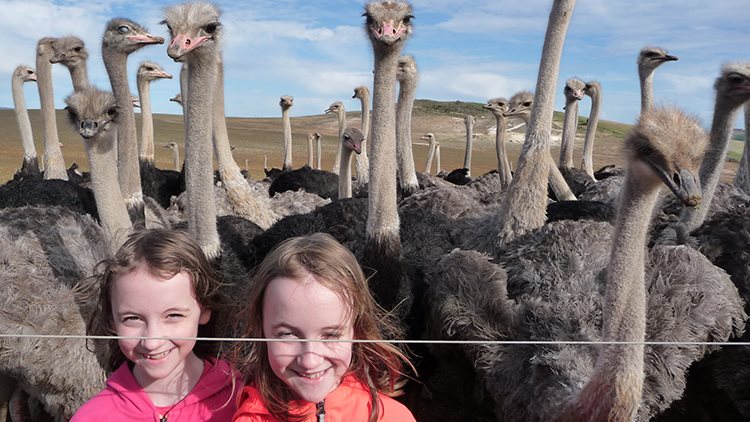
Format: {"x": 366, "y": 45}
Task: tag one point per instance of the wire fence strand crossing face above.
{"x": 396, "y": 341}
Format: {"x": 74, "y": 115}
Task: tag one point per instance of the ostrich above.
{"x": 312, "y": 139}
{"x": 498, "y": 107}
{"x": 121, "y": 38}
{"x": 175, "y": 155}
{"x": 406, "y": 75}
{"x": 648, "y": 60}
{"x": 362, "y": 160}
{"x": 177, "y": 99}
{"x": 48, "y": 252}
{"x": 594, "y": 91}
{"x": 72, "y": 53}
{"x": 338, "y": 108}
{"x": 430, "y": 138}
{"x": 318, "y": 152}
{"x": 30, "y": 164}
{"x": 623, "y": 295}
{"x": 742, "y": 180}
{"x": 352, "y": 143}
{"x": 462, "y": 175}
{"x": 732, "y": 90}
{"x": 573, "y": 94}
{"x": 286, "y": 102}
{"x": 156, "y": 183}
{"x": 54, "y": 165}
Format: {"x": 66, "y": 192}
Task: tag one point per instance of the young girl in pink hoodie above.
{"x": 159, "y": 287}
{"x": 311, "y": 288}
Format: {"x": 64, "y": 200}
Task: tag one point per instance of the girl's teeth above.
{"x": 156, "y": 356}
{"x": 314, "y": 376}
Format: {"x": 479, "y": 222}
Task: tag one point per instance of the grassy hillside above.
{"x": 255, "y": 138}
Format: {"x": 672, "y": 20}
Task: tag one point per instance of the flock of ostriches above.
{"x": 547, "y": 252}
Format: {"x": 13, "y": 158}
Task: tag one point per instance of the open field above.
{"x": 255, "y": 138}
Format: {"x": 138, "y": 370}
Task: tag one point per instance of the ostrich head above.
{"x": 24, "y": 74}
{"x": 70, "y": 51}
{"x": 469, "y": 121}
{"x": 314, "y": 136}
{"x": 170, "y": 145}
{"x": 429, "y": 137}
{"x": 177, "y": 99}
{"x": 286, "y": 102}
{"x": 125, "y": 36}
{"x": 388, "y": 22}
{"x": 574, "y": 89}
{"x": 361, "y": 92}
{"x": 192, "y": 25}
{"x": 734, "y": 83}
{"x": 671, "y": 144}
{"x": 91, "y": 112}
{"x": 151, "y": 71}
{"x": 45, "y": 47}
{"x": 407, "y": 68}
{"x": 497, "y": 106}
{"x": 352, "y": 139}
{"x": 520, "y": 105}
{"x": 337, "y": 107}
{"x": 593, "y": 88}
{"x": 652, "y": 57}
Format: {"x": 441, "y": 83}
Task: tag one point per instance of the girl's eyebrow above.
{"x": 286, "y": 325}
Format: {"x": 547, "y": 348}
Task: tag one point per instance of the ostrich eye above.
{"x": 211, "y": 28}
{"x": 368, "y": 19}
{"x": 150, "y": 69}
{"x": 30, "y": 72}
{"x": 651, "y": 54}
{"x": 347, "y": 137}
{"x": 407, "y": 19}
{"x": 71, "y": 113}
{"x": 735, "y": 78}
{"x": 676, "y": 179}
{"x": 112, "y": 111}
{"x": 78, "y": 49}
{"x": 123, "y": 29}
{"x": 527, "y": 104}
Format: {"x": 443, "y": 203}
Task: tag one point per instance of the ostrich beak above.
{"x": 147, "y": 39}
{"x": 684, "y": 184}
{"x": 88, "y": 128}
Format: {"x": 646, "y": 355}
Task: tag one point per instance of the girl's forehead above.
{"x": 285, "y": 296}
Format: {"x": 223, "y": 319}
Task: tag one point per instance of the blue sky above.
{"x": 468, "y": 50}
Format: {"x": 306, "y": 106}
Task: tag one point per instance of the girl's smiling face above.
{"x": 305, "y": 309}
{"x": 145, "y": 305}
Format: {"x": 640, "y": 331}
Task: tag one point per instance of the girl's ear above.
{"x": 205, "y": 316}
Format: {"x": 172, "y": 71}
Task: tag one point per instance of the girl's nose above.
{"x": 310, "y": 356}
{"x": 153, "y": 342}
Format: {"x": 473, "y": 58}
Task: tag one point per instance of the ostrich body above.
{"x": 573, "y": 94}
{"x": 626, "y": 294}
{"x": 337, "y": 108}
{"x": 352, "y": 143}
{"x": 286, "y": 102}
{"x": 30, "y": 164}
{"x": 498, "y": 107}
{"x": 648, "y": 60}
{"x": 732, "y": 90}
{"x": 54, "y": 165}
{"x": 594, "y": 91}
{"x": 742, "y": 180}
{"x": 407, "y": 75}
{"x": 72, "y": 53}
{"x": 121, "y": 38}
{"x": 362, "y": 160}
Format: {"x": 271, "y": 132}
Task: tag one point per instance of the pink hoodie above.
{"x": 214, "y": 398}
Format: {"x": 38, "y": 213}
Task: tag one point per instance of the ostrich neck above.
{"x": 382, "y": 220}
{"x": 615, "y": 388}
{"x": 146, "y": 152}
{"x": 469, "y": 147}
{"x": 430, "y": 156}
{"x": 176, "y": 158}
{"x": 112, "y": 211}
{"x": 310, "y": 152}
{"x": 184, "y": 86}
{"x": 201, "y": 83}
{"x": 587, "y": 161}
{"x": 570, "y": 126}
{"x": 287, "y": 140}
{"x": 318, "y": 151}
{"x": 239, "y": 193}
{"x": 22, "y": 117}
{"x": 127, "y": 148}
{"x": 342, "y": 126}
{"x": 362, "y": 160}
{"x": 524, "y": 206}
{"x": 647, "y": 90}
{"x": 503, "y": 165}
{"x": 742, "y": 180}
{"x": 406, "y": 170}
{"x": 54, "y": 165}
{"x": 79, "y": 75}
{"x": 438, "y": 165}
{"x": 345, "y": 177}
{"x": 725, "y": 114}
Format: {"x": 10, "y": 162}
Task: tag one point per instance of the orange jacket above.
{"x": 349, "y": 402}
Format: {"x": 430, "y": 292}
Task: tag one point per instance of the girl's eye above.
{"x": 175, "y": 316}
{"x": 130, "y": 319}
{"x": 285, "y": 334}
{"x": 332, "y": 336}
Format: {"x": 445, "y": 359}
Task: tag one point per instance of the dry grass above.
{"x": 255, "y": 138}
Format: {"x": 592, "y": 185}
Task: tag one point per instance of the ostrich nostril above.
{"x": 676, "y": 179}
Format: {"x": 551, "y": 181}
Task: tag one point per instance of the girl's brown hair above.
{"x": 377, "y": 365}
{"x": 167, "y": 253}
